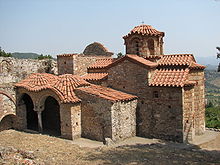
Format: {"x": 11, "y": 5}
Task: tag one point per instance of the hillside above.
{"x": 212, "y": 84}
{"x": 25, "y": 55}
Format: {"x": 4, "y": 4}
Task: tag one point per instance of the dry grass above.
{"x": 43, "y": 149}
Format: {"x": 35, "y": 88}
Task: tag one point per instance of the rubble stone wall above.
{"x": 188, "y": 114}
{"x": 199, "y": 100}
{"x": 95, "y": 117}
{"x": 159, "y": 117}
{"x": 76, "y": 64}
{"x": 123, "y": 120}
{"x": 70, "y": 115}
{"x": 103, "y": 119}
{"x": 13, "y": 70}
{"x": 138, "y": 43}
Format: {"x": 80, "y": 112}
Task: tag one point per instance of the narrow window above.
{"x": 150, "y": 44}
{"x": 155, "y": 94}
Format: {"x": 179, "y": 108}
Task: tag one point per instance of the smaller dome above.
{"x": 37, "y": 81}
{"x": 145, "y": 30}
{"x": 97, "y": 49}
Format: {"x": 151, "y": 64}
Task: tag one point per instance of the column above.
{"x": 40, "y": 126}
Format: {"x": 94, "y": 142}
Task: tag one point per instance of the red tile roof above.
{"x": 65, "y": 86}
{"x": 101, "y": 63}
{"x": 194, "y": 65}
{"x": 145, "y": 30}
{"x": 37, "y": 81}
{"x": 176, "y": 59}
{"x": 95, "y": 76}
{"x": 170, "y": 77}
{"x": 135, "y": 59}
{"x": 107, "y": 93}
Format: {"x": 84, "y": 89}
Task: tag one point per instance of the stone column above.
{"x": 40, "y": 126}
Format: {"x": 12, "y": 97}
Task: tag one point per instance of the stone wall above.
{"x": 13, "y": 70}
{"x": 76, "y": 64}
{"x": 128, "y": 77}
{"x": 65, "y": 64}
{"x": 188, "y": 114}
{"x": 70, "y": 120}
{"x": 103, "y": 119}
{"x": 159, "y": 117}
{"x": 199, "y": 100}
{"x": 95, "y": 117}
{"x": 123, "y": 120}
{"x": 139, "y": 44}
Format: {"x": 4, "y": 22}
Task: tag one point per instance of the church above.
{"x": 144, "y": 93}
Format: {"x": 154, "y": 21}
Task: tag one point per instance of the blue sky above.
{"x": 67, "y": 26}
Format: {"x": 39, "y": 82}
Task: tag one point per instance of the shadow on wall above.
{"x": 166, "y": 154}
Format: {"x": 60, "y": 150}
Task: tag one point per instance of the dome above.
{"x": 145, "y": 30}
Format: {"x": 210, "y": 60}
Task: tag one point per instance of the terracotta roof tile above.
{"x": 65, "y": 86}
{"x": 101, "y": 63}
{"x": 176, "y": 59}
{"x": 170, "y": 77}
{"x": 107, "y": 93}
{"x": 142, "y": 60}
{"x": 37, "y": 81}
{"x": 194, "y": 65}
{"x": 145, "y": 30}
{"x": 135, "y": 59}
{"x": 95, "y": 76}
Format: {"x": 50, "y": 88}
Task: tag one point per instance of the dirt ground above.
{"x": 29, "y": 148}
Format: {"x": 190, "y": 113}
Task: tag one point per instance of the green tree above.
{"x": 41, "y": 57}
{"x": 3, "y": 54}
{"x": 213, "y": 117}
{"x": 119, "y": 55}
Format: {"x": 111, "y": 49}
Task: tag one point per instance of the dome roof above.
{"x": 37, "y": 81}
{"x": 145, "y": 30}
{"x": 65, "y": 86}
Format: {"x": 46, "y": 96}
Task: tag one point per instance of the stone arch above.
{"x": 5, "y": 66}
{"x": 150, "y": 45}
{"x": 51, "y": 116}
{"x": 7, "y": 122}
{"x": 9, "y": 96}
{"x": 29, "y": 112}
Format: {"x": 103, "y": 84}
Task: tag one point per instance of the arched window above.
{"x": 150, "y": 44}
{"x": 136, "y": 46}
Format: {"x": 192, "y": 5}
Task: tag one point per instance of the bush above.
{"x": 213, "y": 117}
{"x": 3, "y": 54}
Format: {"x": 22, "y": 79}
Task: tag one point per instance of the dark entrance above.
{"x": 51, "y": 117}
{"x": 31, "y": 115}
{"x": 7, "y": 122}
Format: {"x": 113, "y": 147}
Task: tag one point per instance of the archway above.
{"x": 7, "y": 122}
{"x": 51, "y": 117}
{"x": 31, "y": 115}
